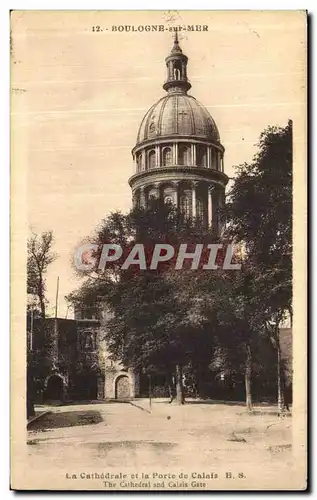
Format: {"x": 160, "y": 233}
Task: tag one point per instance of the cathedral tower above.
{"x": 178, "y": 155}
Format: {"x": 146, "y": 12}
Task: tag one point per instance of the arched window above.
{"x": 136, "y": 199}
{"x": 201, "y": 156}
{"x": 185, "y": 205}
{"x": 217, "y": 160}
{"x": 184, "y": 155}
{"x": 168, "y": 199}
{"x": 167, "y": 156}
{"x": 89, "y": 341}
{"x": 152, "y": 193}
{"x": 151, "y": 157}
{"x": 177, "y": 74}
{"x": 138, "y": 162}
{"x": 177, "y": 70}
{"x": 212, "y": 158}
{"x": 200, "y": 210}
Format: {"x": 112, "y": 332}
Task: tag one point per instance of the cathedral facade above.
{"x": 178, "y": 158}
{"x": 178, "y": 155}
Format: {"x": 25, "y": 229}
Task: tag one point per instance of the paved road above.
{"x": 126, "y": 435}
{"x": 213, "y": 437}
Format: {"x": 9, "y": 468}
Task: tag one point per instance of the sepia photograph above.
{"x": 158, "y": 250}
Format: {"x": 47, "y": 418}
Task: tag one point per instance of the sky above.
{"x": 79, "y": 96}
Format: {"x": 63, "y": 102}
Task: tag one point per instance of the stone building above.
{"x": 68, "y": 361}
{"x": 178, "y": 155}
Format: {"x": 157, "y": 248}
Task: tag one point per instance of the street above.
{"x": 215, "y": 438}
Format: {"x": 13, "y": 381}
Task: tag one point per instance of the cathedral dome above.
{"x": 178, "y": 156}
{"x": 178, "y": 114}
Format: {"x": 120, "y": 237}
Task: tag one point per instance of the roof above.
{"x": 178, "y": 114}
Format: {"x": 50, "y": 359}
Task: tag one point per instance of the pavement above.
{"x": 78, "y": 446}
{"x": 138, "y": 434}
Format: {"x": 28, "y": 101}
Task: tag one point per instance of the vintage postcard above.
{"x": 158, "y": 249}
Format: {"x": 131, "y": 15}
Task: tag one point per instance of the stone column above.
{"x": 134, "y": 389}
{"x": 194, "y": 200}
{"x": 143, "y": 160}
{"x": 142, "y": 198}
{"x": 157, "y": 187}
{"x": 159, "y": 191}
{"x": 170, "y": 69}
{"x": 208, "y": 157}
{"x": 175, "y": 154}
{"x": 134, "y": 199}
{"x": 194, "y": 154}
{"x": 177, "y": 184}
{"x": 210, "y": 190}
{"x": 222, "y": 163}
{"x": 158, "y": 156}
{"x": 183, "y": 75}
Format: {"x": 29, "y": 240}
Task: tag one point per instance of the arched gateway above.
{"x": 54, "y": 388}
{"x": 122, "y": 387}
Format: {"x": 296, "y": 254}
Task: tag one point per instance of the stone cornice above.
{"x": 179, "y": 174}
{"x": 174, "y": 138}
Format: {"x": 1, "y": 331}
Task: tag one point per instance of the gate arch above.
{"x": 54, "y": 387}
{"x": 122, "y": 387}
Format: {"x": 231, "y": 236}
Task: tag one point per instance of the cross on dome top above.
{"x": 176, "y": 47}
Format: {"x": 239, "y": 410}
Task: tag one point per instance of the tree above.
{"x": 164, "y": 317}
{"x": 154, "y": 320}
{"x": 259, "y": 216}
{"x": 232, "y": 316}
{"x": 39, "y": 257}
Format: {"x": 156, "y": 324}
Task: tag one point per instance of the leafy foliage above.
{"x": 259, "y": 216}
{"x": 167, "y": 318}
{"x": 39, "y": 257}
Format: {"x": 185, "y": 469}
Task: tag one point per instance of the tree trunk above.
{"x": 41, "y": 298}
{"x": 247, "y": 378}
{"x": 171, "y": 387}
{"x": 30, "y": 411}
{"x": 179, "y": 385}
{"x": 280, "y": 380}
{"x": 42, "y": 309}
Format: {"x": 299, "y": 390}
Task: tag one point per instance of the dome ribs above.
{"x": 160, "y": 128}
{"x": 177, "y": 114}
{"x": 192, "y": 117}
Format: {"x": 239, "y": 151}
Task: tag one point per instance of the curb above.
{"x": 34, "y": 419}
{"x": 139, "y": 407}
